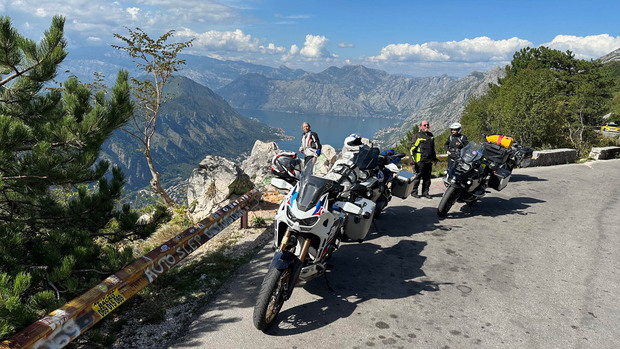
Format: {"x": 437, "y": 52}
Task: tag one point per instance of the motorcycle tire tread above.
{"x": 267, "y": 289}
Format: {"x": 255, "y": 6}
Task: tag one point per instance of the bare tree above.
{"x": 158, "y": 59}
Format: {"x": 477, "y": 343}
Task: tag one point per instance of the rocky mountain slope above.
{"x": 195, "y": 123}
{"x": 611, "y": 57}
{"x": 210, "y": 72}
{"x": 445, "y": 107}
{"x": 347, "y": 91}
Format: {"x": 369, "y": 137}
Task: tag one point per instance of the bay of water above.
{"x": 332, "y": 130}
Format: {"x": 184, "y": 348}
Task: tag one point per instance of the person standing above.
{"x": 455, "y": 142}
{"x": 310, "y": 144}
{"x": 422, "y": 155}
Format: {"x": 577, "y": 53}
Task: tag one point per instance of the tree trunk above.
{"x": 155, "y": 183}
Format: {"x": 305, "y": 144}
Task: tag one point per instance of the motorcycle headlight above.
{"x": 305, "y": 222}
{"x": 309, "y": 221}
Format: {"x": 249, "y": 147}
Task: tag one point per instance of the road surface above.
{"x": 536, "y": 265}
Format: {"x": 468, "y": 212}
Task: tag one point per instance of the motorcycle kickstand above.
{"x": 374, "y": 224}
{"x": 329, "y": 287}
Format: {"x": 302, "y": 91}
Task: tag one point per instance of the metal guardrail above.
{"x": 66, "y": 323}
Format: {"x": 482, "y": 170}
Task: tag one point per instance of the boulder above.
{"x": 326, "y": 160}
{"x": 257, "y": 165}
{"x": 214, "y": 181}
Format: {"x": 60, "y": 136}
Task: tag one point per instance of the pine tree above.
{"x": 547, "y": 99}
{"x": 59, "y": 207}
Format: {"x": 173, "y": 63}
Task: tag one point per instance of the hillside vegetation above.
{"x": 61, "y": 224}
{"x": 548, "y": 99}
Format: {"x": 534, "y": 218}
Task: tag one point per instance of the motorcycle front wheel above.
{"x": 447, "y": 200}
{"x": 271, "y": 297}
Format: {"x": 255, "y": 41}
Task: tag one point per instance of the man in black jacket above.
{"x": 422, "y": 156}
{"x": 455, "y": 142}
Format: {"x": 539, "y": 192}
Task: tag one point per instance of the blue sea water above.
{"x": 332, "y": 130}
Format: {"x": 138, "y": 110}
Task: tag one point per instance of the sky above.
{"x": 411, "y": 37}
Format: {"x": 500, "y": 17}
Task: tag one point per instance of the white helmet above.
{"x": 353, "y": 142}
{"x": 456, "y": 126}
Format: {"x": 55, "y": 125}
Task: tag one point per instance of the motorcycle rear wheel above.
{"x": 271, "y": 297}
{"x": 447, "y": 200}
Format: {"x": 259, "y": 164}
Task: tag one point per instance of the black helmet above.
{"x": 286, "y": 165}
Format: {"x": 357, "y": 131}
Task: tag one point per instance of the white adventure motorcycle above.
{"x": 312, "y": 220}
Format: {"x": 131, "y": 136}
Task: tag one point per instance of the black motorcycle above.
{"x": 466, "y": 181}
{"x": 478, "y": 167}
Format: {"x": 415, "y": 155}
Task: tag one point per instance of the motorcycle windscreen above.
{"x": 311, "y": 188}
{"x": 471, "y": 152}
{"x": 367, "y": 158}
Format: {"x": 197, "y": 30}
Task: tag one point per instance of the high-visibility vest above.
{"x": 415, "y": 149}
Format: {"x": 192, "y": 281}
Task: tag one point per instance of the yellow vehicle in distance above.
{"x": 610, "y": 127}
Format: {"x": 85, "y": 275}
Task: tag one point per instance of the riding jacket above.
{"x": 423, "y": 147}
{"x": 310, "y": 144}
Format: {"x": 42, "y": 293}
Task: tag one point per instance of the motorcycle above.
{"x": 480, "y": 166}
{"x": 311, "y": 221}
{"x": 466, "y": 180}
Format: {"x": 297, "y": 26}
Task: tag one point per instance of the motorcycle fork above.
{"x": 304, "y": 247}
{"x": 295, "y": 266}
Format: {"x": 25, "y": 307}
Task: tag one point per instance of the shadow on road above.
{"x": 360, "y": 272}
{"x": 525, "y": 178}
{"x": 492, "y": 206}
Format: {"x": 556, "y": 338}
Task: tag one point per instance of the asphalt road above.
{"x": 536, "y": 265}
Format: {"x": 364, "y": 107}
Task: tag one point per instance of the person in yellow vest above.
{"x": 422, "y": 156}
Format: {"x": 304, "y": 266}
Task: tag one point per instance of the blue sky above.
{"x": 418, "y": 38}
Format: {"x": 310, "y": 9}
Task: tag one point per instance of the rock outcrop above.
{"x": 217, "y": 180}
{"x": 257, "y": 164}
{"x": 214, "y": 181}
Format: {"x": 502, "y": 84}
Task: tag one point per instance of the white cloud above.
{"x": 481, "y": 49}
{"x": 314, "y": 48}
{"x": 408, "y": 52}
{"x": 345, "y": 45}
{"x": 294, "y": 50}
{"x": 233, "y": 41}
{"x": 40, "y": 12}
{"x": 468, "y": 50}
{"x": 133, "y": 11}
{"x": 585, "y": 47}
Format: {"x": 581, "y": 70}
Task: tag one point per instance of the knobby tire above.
{"x": 271, "y": 297}
{"x": 447, "y": 200}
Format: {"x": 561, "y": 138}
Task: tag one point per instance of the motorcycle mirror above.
{"x": 281, "y": 184}
{"x": 352, "y": 208}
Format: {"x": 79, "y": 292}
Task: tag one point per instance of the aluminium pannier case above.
{"x": 499, "y": 179}
{"x": 403, "y": 184}
{"x": 357, "y": 227}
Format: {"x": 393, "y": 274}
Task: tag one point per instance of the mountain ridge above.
{"x": 195, "y": 123}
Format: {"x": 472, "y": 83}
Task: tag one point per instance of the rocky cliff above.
{"x": 196, "y": 122}
{"x": 445, "y": 107}
{"x": 347, "y": 91}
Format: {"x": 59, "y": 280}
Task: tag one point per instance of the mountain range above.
{"x": 194, "y": 123}
{"x": 201, "y": 120}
